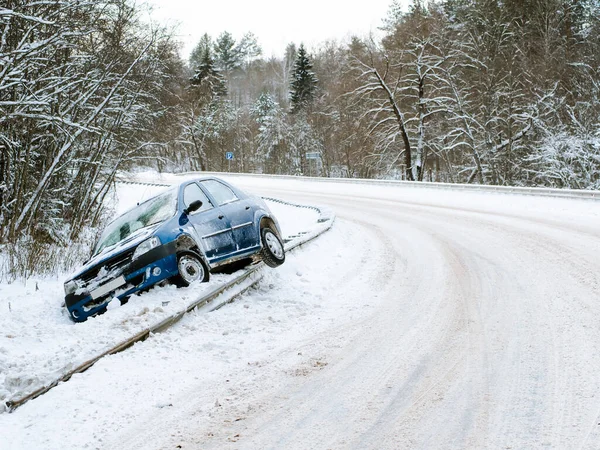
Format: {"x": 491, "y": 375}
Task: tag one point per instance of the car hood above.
{"x": 128, "y": 243}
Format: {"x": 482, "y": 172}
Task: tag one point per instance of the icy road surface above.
{"x": 424, "y": 320}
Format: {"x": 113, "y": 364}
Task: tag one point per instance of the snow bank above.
{"x": 38, "y": 340}
{"x": 199, "y": 360}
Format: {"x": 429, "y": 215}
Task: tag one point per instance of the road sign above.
{"x": 229, "y": 155}
{"x": 314, "y": 155}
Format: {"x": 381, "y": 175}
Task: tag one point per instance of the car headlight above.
{"x": 70, "y": 287}
{"x": 146, "y": 246}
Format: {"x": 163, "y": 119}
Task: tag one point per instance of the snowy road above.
{"x": 486, "y": 334}
{"x": 450, "y": 320}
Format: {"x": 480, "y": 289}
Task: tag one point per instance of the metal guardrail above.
{"x": 543, "y": 192}
{"x": 209, "y": 301}
{"x": 143, "y": 183}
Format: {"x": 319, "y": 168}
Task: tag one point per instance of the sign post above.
{"x": 228, "y": 157}
{"x": 313, "y": 155}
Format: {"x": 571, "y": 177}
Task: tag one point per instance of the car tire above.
{"x": 191, "y": 269}
{"x": 272, "y": 253}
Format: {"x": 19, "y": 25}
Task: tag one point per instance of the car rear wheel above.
{"x": 272, "y": 252}
{"x": 191, "y": 269}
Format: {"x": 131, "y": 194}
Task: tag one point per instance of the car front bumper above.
{"x": 151, "y": 268}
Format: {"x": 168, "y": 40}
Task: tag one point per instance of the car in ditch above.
{"x": 179, "y": 236}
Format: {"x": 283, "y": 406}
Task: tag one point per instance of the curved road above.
{"x": 467, "y": 321}
{"x": 487, "y": 334}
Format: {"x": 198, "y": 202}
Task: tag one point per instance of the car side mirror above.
{"x": 194, "y": 206}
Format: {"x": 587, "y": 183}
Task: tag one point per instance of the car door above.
{"x": 239, "y": 211}
{"x": 210, "y": 223}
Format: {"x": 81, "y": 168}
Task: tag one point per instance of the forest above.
{"x": 503, "y": 92}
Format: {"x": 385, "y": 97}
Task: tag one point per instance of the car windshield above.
{"x": 151, "y": 212}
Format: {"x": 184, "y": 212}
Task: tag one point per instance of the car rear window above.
{"x": 221, "y": 193}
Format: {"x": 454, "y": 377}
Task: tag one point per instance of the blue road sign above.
{"x": 229, "y": 155}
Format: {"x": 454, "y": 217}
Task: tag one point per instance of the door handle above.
{"x": 220, "y": 217}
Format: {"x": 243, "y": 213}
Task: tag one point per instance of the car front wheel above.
{"x": 272, "y": 252}
{"x": 191, "y": 269}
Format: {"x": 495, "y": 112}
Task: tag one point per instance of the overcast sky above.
{"x": 274, "y": 22}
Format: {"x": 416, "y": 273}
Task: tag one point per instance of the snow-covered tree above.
{"x": 205, "y": 44}
{"x": 303, "y": 140}
{"x": 304, "y": 82}
{"x": 80, "y": 84}
{"x": 227, "y": 54}
{"x": 208, "y": 78}
{"x": 564, "y": 160}
{"x": 248, "y": 49}
{"x": 272, "y": 150}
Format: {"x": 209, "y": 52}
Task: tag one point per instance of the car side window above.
{"x": 221, "y": 193}
{"x": 191, "y": 193}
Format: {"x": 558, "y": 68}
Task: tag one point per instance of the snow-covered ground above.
{"x": 39, "y": 343}
{"x": 425, "y": 319}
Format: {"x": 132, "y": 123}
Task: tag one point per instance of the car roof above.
{"x": 203, "y": 178}
{"x": 174, "y": 187}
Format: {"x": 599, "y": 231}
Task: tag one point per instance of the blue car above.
{"x": 179, "y": 235}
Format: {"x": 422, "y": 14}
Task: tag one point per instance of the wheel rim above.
{"x": 274, "y": 245}
{"x": 190, "y": 269}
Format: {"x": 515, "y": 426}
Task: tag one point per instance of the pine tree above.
{"x": 248, "y": 49}
{"x": 205, "y": 43}
{"x": 304, "y": 82}
{"x": 227, "y": 55}
{"x": 208, "y": 77}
